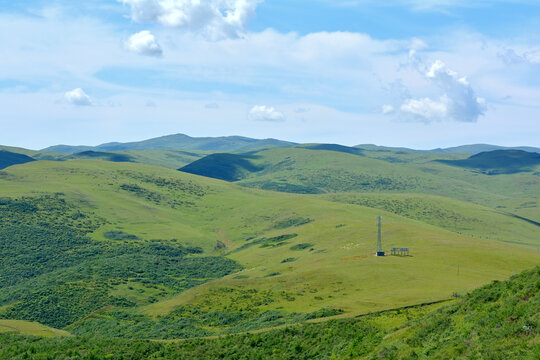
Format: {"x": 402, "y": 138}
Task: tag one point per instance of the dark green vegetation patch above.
{"x": 101, "y": 155}
{"x": 292, "y": 222}
{"x": 499, "y": 161}
{"x": 244, "y": 311}
{"x": 8, "y": 158}
{"x": 301, "y": 246}
{"x": 228, "y": 167}
{"x": 268, "y": 242}
{"x": 119, "y": 235}
{"x": 54, "y": 274}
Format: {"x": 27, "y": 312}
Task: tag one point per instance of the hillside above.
{"x": 99, "y": 155}
{"x": 499, "y": 162}
{"x": 450, "y": 214}
{"x": 229, "y": 167}
{"x": 499, "y": 319}
{"x": 8, "y": 158}
{"x": 178, "y": 142}
{"x": 136, "y": 251}
{"x": 463, "y": 149}
{"x": 311, "y": 171}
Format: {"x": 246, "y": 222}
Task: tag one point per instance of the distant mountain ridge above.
{"x": 178, "y": 142}
{"x": 463, "y": 149}
{"x": 241, "y": 143}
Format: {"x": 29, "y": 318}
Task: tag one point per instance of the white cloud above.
{"x": 265, "y": 113}
{"x": 215, "y": 19}
{"x": 458, "y": 101}
{"x": 78, "y": 97}
{"x": 510, "y": 56}
{"x": 387, "y": 109}
{"x": 144, "y": 43}
{"x": 426, "y": 108}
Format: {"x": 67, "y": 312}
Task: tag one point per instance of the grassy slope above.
{"x": 309, "y": 171}
{"x": 172, "y": 159}
{"x": 499, "y": 162}
{"x": 339, "y": 272}
{"x": 29, "y": 328}
{"x": 454, "y": 215}
{"x": 498, "y": 321}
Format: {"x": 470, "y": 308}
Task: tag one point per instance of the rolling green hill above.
{"x": 179, "y": 142}
{"x": 308, "y": 171}
{"x": 463, "y": 149}
{"x": 333, "y": 147}
{"x": 499, "y": 162}
{"x": 229, "y": 167}
{"x": 136, "y": 251}
{"x": 8, "y": 158}
{"x": 172, "y": 159}
{"x": 454, "y": 215}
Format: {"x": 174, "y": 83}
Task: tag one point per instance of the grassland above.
{"x": 319, "y": 170}
{"x": 454, "y": 215}
{"x": 124, "y": 250}
{"x": 30, "y": 328}
{"x": 264, "y": 258}
{"x": 497, "y": 321}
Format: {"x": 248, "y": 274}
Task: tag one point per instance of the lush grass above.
{"x": 30, "y": 328}
{"x": 173, "y": 216}
{"x": 497, "y": 321}
{"x": 53, "y": 273}
{"x": 335, "y": 339}
{"x": 305, "y": 171}
{"x": 450, "y": 214}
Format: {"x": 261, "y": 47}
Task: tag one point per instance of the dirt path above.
{"x": 224, "y": 238}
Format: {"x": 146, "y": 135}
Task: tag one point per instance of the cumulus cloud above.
{"x": 78, "y": 97}
{"x": 144, "y": 43}
{"x": 215, "y": 19}
{"x": 265, "y": 113}
{"x": 458, "y": 101}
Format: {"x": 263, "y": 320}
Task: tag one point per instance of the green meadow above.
{"x": 160, "y": 250}
{"x": 120, "y": 246}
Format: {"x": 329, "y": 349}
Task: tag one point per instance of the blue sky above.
{"x": 414, "y": 73}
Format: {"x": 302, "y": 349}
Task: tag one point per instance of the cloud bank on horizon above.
{"x": 440, "y": 76}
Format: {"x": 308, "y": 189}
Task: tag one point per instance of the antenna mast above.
{"x": 380, "y": 251}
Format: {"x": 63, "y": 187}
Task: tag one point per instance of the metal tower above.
{"x": 380, "y": 251}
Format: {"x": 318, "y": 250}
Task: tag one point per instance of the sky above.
{"x": 416, "y": 73}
